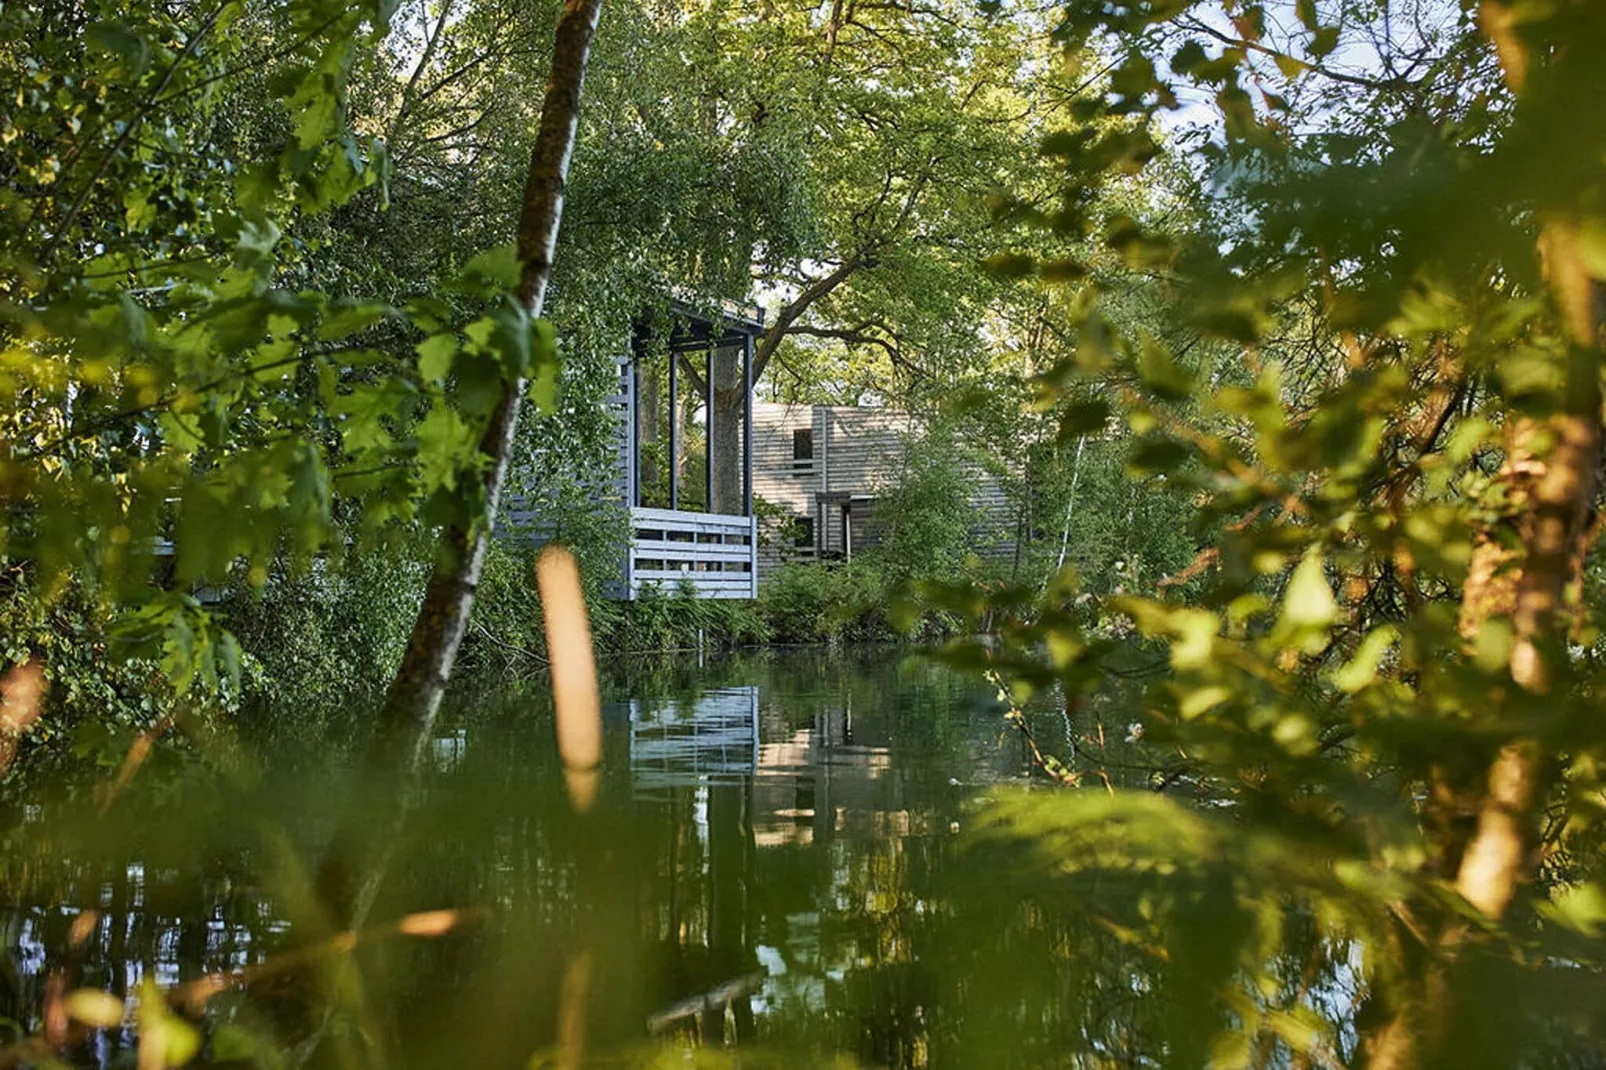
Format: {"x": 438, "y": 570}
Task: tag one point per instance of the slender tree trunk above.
{"x": 1070, "y": 504}
{"x": 355, "y": 863}
{"x": 1550, "y": 477}
{"x": 350, "y": 875}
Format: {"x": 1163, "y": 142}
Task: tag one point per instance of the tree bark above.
{"x": 649, "y": 406}
{"x": 355, "y": 862}
{"x": 1550, "y": 477}
{"x": 725, "y": 448}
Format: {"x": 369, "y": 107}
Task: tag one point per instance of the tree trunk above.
{"x": 649, "y": 405}
{"x": 355, "y": 862}
{"x": 725, "y": 448}
{"x": 1549, "y": 476}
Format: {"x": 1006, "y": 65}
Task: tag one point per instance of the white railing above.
{"x": 711, "y": 739}
{"x": 716, "y": 554}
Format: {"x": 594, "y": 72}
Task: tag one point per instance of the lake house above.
{"x": 825, "y": 467}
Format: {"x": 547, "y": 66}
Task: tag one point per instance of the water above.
{"x": 775, "y": 867}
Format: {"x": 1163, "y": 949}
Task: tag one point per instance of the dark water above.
{"x": 774, "y": 868}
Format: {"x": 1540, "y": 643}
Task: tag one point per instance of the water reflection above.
{"x": 769, "y": 866}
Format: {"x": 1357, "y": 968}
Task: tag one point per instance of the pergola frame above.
{"x": 691, "y": 332}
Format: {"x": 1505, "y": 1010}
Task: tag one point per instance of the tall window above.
{"x": 803, "y": 444}
{"x": 803, "y": 531}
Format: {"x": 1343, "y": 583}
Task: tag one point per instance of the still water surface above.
{"x": 774, "y": 868}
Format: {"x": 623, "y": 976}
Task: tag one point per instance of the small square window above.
{"x": 803, "y": 444}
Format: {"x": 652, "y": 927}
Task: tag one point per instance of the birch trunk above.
{"x": 355, "y": 863}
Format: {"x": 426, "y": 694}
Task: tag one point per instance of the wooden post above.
{"x": 709, "y": 408}
{"x": 674, "y": 430}
{"x": 747, "y": 425}
{"x": 635, "y": 428}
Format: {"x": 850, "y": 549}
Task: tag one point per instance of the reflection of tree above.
{"x": 885, "y": 935}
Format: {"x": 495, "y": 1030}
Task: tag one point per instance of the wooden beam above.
{"x": 674, "y": 431}
{"x": 635, "y": 427}
{"x": 709, "y": 407}
{"x": 747, "y": 425}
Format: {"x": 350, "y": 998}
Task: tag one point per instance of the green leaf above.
{"x": 346, "y": 318}
{"x": 1161, "y": 373}
{"x": 1157, "y": 453}
{"x": 544, "y": 373}
{"x": 1592, "y": 246}
{"x": 1581, "y": 908}
{"x": 1324, "y": 41}
{"x": 1361, "y": 669}
{"x": 1190, "y": 57}
{"x": 1195, "y": 631}
{"x": 1492, "y": 646}
{"x": 1011, "y": 265}
{"x": 1291, "y": 67}
{"x": 1309, "y": 608}
{"x": 316, "y": 106}
{"x": 446, "y": 445}
{"x": 435, "y": 356}
{"x": 1084, "y": 418}
{"x": 138, "y": 211}
{"x": 117, "y": 39}
{"x": 499, "y": 268}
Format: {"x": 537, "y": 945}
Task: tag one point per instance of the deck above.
{"x": 669, "y": 549}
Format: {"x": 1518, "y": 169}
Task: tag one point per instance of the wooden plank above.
{"x": 642, "y": 515}
{"x": 685, "y": 551}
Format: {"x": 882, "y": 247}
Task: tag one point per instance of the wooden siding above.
{"x": 857, "y": 452}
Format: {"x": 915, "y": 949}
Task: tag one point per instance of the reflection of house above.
{"x": 806, "y": 783}
{"x": 825, "y": 465}
{"x": 816, "y": 780}
{"x": 711, "y": 740}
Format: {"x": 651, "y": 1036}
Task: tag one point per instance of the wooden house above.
{"x": 683, "y": 459}
{"x": 825, "y": 466}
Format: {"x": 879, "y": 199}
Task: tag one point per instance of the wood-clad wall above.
{"x": 857, "y": 451}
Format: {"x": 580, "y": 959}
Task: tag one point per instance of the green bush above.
{"x": 844, "y": 602}
{"x": 925, "y": 515}
{"x": 96, "y": 700}
{"x": 329, "y": 637}
{"x": 675, "y": 619}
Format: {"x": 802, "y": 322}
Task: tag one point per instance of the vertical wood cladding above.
{"x": 856, "y": 452}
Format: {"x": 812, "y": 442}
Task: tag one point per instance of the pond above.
{"x": 774, "y": 866}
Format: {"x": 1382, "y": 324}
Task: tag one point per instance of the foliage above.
{"x": 855, "y": 601}
{"x": 94, "y": 702}
{"x": 664, "y": 620}
{"x": 924, "y": 516}
{"x": 1383, "y": 682}
{"x": 327, "y": 638}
